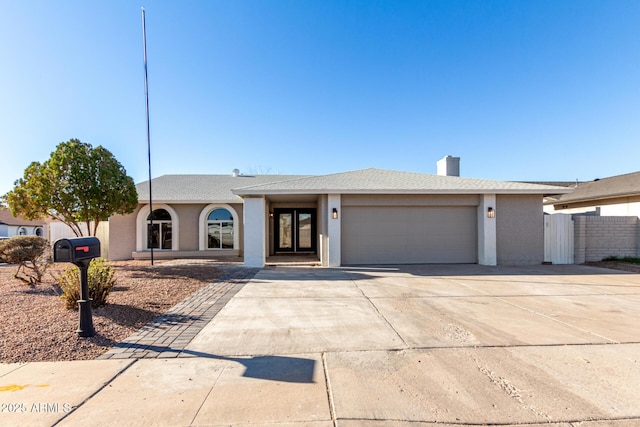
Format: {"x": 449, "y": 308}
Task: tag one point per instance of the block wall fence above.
{"x": 598, "y": 237}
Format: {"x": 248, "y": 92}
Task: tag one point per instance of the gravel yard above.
{"x": 617, "y": 265}
{"x": 35, "y": 326}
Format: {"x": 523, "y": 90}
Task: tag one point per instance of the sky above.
{"x": 519, "y": 90}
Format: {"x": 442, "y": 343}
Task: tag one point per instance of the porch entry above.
{"x": 295, "y": 230}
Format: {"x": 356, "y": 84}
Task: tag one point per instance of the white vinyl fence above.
{"x": 558, "y": 239}
{"x": 60, "y": 230}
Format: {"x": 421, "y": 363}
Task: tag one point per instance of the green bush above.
{"x": 100, "y": 280}
{"x": 32, "y": 254}
{"x": 628, "y": 259}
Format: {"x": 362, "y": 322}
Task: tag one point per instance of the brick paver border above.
{"x": 168, "y": 335}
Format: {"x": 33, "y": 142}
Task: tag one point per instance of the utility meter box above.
{"x": 76, "y": 249}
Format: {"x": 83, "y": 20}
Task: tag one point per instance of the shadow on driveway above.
{"x": 271, "y": 368}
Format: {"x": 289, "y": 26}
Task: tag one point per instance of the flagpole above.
{"x": 146, "y": 94}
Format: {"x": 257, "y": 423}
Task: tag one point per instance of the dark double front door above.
{"x": 295, "y": 230}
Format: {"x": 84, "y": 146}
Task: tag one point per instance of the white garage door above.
{"x": 409, "y": 235}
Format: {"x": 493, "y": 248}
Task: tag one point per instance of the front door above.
{"x": 295, "y": 230}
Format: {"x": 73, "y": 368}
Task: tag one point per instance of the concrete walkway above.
{"x": 168, "y": 335}
{"x": 407, "y": 346}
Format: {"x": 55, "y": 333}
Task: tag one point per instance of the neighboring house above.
{"x": 613, "y": 196}
{"x": 16, "y": 226}
{"x": 369, "y": 216}
{"x": 50, "y": 229}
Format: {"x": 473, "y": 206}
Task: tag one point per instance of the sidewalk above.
{"x": 410, "y": 346}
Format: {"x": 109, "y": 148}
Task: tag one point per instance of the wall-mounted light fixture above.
{"x": 491, "y": 213}
{"x": 271, "y": 214}
{"x": 335, "y": 213}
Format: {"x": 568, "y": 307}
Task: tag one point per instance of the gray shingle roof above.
{"x": 227, "y": 188}
{"x": 386, "y": 181}
{"x": 201, "y": 188}
{"x": 605, "y": 188}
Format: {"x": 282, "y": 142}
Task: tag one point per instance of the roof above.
{"x": 571, "y": 184}
{"x": 201, "y": 188}
{"x": 229, "y": 188}
{"x": 393, "y": 182}
{"x": 8, "y": 219}
{"x": 605, "y": 188}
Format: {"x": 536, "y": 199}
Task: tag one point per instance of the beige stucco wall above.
{"x": 631, "y": 208}
{"x": 122, "y": 236}
{"x": 619, "y": 206}
{"x": 519, "y": 219}
{"x": 189, "y": 227}
{"x": 189, "y": 235}
{"x": 520, "y": 229}
{"x": 239, "y": 207}
{"x": 410, "y": 200}
{"x": 122, "y": 233}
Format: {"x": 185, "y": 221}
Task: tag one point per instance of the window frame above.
{"x": 142, "y": 228}
{"x": 204, "y": 227}
{"x": 162, "y": 225}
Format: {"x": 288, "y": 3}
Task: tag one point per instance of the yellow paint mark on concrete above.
{"x": 13, "y": 387}
{"x": 42, "y": 385}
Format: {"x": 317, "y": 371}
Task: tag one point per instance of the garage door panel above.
{"x": 401, "y": 235}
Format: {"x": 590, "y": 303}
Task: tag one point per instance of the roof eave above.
{"x": 383, "y": 191}
{"x": 594, "y": 199}
{"x": 190, "y": 202}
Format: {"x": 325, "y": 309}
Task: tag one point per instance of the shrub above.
{"x": 632, "y": 260}
{"x": 100, "y": 280}
{"x": 32, "y": 254}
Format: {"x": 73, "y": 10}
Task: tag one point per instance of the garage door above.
{"x": 409, "y": 235}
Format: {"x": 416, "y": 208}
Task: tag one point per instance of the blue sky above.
{"x": 520, "y": 90}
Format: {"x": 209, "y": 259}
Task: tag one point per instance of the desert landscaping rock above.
{"x": 35, "y": 326}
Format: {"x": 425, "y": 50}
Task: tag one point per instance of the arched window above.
{"x": 159, "y": 234}
{"x": 220, "y": 229}
{"x": 166, "y": 224}
{"x": 39, "y": 232}
{"x": 22, "y": 231}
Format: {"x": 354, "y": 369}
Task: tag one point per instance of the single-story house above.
{"x": 614, "y": 196}
{"x": 369, "y": 216}
{"x": 17, "y": 226}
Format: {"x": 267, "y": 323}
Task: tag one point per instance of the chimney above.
{"x": 449, "y": 166}
{"x": 235, "y": 173}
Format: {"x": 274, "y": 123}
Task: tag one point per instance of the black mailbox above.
{"x": 80, "y": 251}
{"x": 76, "y": 249}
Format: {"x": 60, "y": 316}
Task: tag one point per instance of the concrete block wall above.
{"x": 598, "y": 237}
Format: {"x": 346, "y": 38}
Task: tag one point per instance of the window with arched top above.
{"x": 159, "y": 231}
{"x": 165, "y": 234}
{"x": 39, "y": 232}
{"x": 220, "y": 229}
{"x": 22, "y": 231}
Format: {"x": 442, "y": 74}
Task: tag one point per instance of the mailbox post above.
{"x": 80, "y": 251}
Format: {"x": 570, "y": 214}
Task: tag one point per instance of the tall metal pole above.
{"x": 146, "y": 94}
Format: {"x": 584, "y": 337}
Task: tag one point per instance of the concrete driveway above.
{"x": 399, "y": 346}
{"x": 449, "y": 344}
